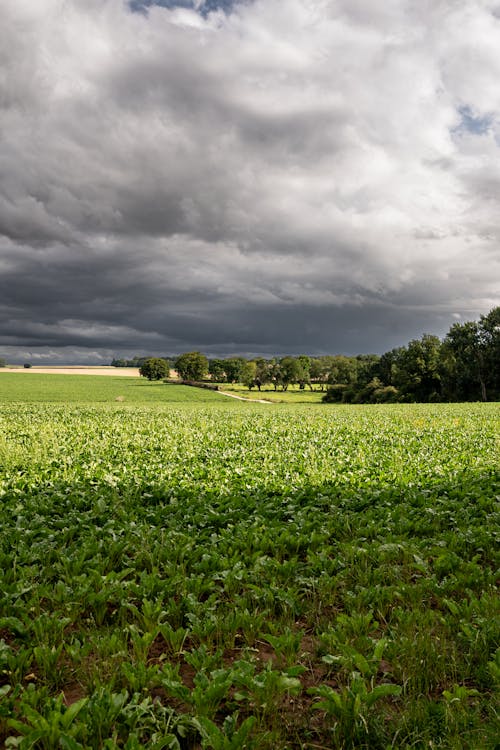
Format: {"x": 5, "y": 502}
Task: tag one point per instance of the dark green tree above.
{"x": 291, "y": 371}
{"x": 191, "y": 366}
{"x": 471, "y": 359}
{"x": 155, "y": 368}
{"x": 417, "y": 371}
{"x": 262, "y": 375}
{"x": 247, "y": 374}
{"x": 342, "y": 370}
{"x": 232, "y": 368}
{"x": 366, "y": 368}
{"x": 216, "y": 370}
{"x": 388, "y": 365}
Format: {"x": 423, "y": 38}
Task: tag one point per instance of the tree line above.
{"x": 464, "y": 366}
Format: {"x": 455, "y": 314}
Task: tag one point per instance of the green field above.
{"x": 95, "y": 389}
{"x": 183, "y": 570}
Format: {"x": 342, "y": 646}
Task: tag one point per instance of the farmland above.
{"x": 181, "y": 570}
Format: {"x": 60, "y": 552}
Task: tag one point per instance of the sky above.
{"x": 255, "y": 177}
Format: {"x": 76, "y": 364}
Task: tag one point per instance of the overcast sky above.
{"x": 245, "y": 176}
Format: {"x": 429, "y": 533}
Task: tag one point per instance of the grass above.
{"x": 221, "y": 574}
{"x": 92, "y": 389}
{"x": 293, "y": 395}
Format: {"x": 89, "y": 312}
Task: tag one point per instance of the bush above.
{"x": 155, "y": 368}
{"x": 334, "y": 394}
{"x": 386, "y": 395}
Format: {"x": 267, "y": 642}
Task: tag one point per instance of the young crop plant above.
{"x": 195, "y": 572}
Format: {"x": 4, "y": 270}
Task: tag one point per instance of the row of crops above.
{"x": 227, "y": 575}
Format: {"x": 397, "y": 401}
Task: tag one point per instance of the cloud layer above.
{"x": 253, "y": 177}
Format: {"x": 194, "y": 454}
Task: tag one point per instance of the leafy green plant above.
{"x": 352, "y": 709}
{"x": 55, "y": 727}
{"x": 286, "y": 644}
{"x": 228, "y": 737}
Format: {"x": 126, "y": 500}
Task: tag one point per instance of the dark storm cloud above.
{"x": 270, "y": 176}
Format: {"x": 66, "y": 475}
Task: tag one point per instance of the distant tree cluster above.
{"x": 134, "y": 362}
{"x": 465, "y": 366}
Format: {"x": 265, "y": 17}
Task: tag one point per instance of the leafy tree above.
{"x": 317, "y": 372}
{"x": 417, "y": 373}
{"x": 489, "y": 331}
{"x": 155, "y": 368}
{"x": 367, "y": 366}
{"x": 320, "y": 369}
{"x": 191, "y": 366}
{"x": 3, "y": 362}
{"x": 388, "y": 365}
{"x": 247, "y": 374}
{"x": 342, "y": 370}
{"x": 305, "y": 363}
{"x": 232, "y": 368}
{"x": 291, "y": 371}
{"x": 262, "y": 375}
{"x": 274, "y": 370}
{"x": 471, "y": 358}
{"x": 216, "y": 370}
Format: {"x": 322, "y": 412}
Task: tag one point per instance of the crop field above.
{"x": 183, "y": 570}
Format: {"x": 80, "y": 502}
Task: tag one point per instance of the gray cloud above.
{"x": 275, "y": 176}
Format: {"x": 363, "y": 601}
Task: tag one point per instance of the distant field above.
{"x": 183, "y": 570}
{"x": 113, "y": 371}
{"x": 96, "y": 389}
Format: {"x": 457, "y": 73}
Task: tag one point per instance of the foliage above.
{"x": 220, "y": 574}
{"x": 191, "y": 366}
{"x": 155, "y": 369}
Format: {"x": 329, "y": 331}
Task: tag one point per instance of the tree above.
{"x": 388, "y": 365}
{"x": 490, "y": 332}
{"x": 3, "y": 362}
{"x": 342, "y": 370}
{"x": 232, "y": 368}
{"x": 417, "y": 372}
{"x": 155, "y": 368}
{"x": 262, "y": 375}
{"x": 291, "y": 371}
{"x": 274, "y": 370}
{"x": 247, "y": 374}
{"x": 305, "y": 363}
{"x": 367, "y": 366}
{"x": 471, "y": 358}
{"x": 216, "y": 370}
{"x": 317, "y": 372}
{"x": 191, "y": 366}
